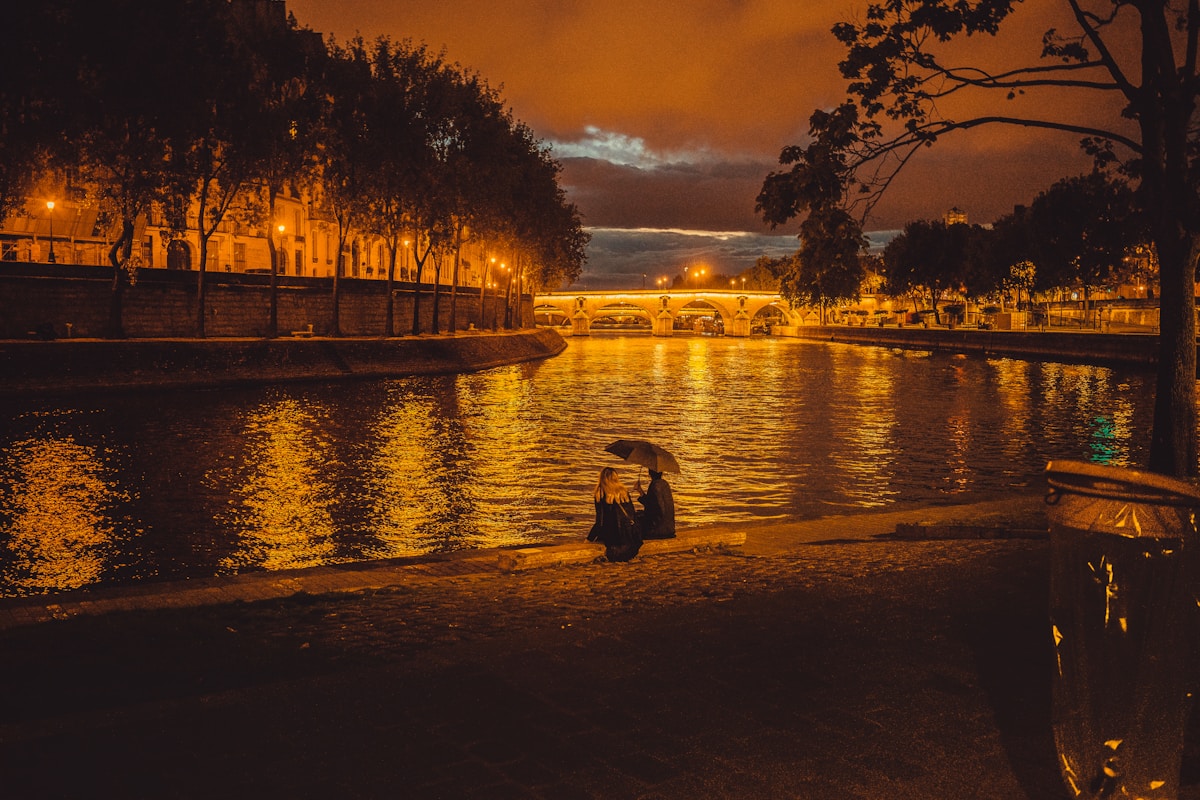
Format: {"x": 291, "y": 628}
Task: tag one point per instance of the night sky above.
{"x": 667, "y": 116}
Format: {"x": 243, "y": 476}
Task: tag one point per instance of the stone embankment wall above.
{"x": 1099, "y": 348}
{"x": 30, "y": 367}
{"x": 73, "y": 302}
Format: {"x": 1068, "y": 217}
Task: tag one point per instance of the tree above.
{"x": 900, "y": 80}
{"x": 1080, "y": 229}
{"x": 549, "y": 227}
{"x": 764, "y": 275}
{"x": 280, "y": 131}
{"x": 828, "y": 266}
{"x": 928, "y": 258}
{"x": 212, "y": 154}
{"x": 36, "y": 80}
{"x": 126, "y": 117}
{"x": 410, "y": 111}
{"x": 344, "y": 150}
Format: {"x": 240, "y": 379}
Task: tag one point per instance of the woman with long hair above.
{"x": 615, "y": 527}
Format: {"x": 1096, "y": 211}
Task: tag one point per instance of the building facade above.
{"x": 65, "y": 232}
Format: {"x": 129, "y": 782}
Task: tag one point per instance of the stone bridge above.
{"x": 736, "y": 309}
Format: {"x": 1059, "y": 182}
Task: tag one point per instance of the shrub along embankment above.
{"x": 91, "y": 364}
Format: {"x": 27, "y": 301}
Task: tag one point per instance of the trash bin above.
{"x": 1123, "y": 614}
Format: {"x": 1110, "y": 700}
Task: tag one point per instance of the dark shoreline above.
{"x": 77, "y": 365}
{"x": 1106, "y": 349}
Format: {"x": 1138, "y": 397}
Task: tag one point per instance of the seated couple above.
{"x": 622, "y": 529}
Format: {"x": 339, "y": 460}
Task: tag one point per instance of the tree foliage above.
{"x": 929, "y": 259}
{"x": 828, "y": 266}
{"x": 192, "y": 107}
{"x": 904, "y": 81}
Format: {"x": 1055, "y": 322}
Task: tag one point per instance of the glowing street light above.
{"x": 485, "y": 283}
{"x": 50, "y": 209}
{"x": 507, "y": 296}
{"x": 279, "y": 252}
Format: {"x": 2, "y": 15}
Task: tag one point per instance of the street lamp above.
{"x": 50, "y": 209}
{"x": 279, "y": 252}
{"x": 485, "y": 284}
{"x": 507, "y": 297}
{"x": 643, "y": 280}
{"x": 405, "y": 265}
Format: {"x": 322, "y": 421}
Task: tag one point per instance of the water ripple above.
{"x": 103, "y": 490}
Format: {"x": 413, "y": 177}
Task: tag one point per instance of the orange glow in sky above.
{"x": 668, "y": 115}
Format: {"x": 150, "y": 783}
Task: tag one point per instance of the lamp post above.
{"x": 507, "y": 295}
{"x": 484, "y": 285}
{"x": 643, "y": 280}
{"x": 279, "y": 252}
{"x": 50, "y": 210}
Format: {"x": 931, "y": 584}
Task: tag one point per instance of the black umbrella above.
{"x": 647, "y": 454}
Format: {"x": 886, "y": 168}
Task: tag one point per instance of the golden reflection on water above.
{"x": 763, "y": 428}
{"x": 58, "y": 529}
{"x": 864, "y": 415}
{"x": 960, "y": 430}
{"x": 1012, "y": 388}
{"x": 280, "y": 513}
{"x": 403, "y": 494}
{"x": 502, "y": 427}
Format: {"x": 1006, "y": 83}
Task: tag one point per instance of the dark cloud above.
{"x": 619, "y": 257}
{"x": 717, "y": 196}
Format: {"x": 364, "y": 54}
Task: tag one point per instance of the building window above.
{"x": 299, "y": 259}
{"x": 148, "y": 252}
{"x": 239, "y": 256}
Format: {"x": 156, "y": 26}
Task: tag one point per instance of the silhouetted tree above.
{"x": 344, "y": 148}
{"x": 1080, "y": 228}
{"x": 1144, "y": 53}
{"x": 928, "y": 259}
{"x": 828, "y": 266}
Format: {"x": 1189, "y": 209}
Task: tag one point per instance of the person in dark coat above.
{"x": 658, "y": 518}
{"x": 615, "y": 527}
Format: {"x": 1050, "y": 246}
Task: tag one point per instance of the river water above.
{"x": 110, "y": 489}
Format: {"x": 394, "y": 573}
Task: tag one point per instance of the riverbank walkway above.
{"x": 819, "y": 659}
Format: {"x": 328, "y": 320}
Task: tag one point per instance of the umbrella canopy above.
{"x": 649, "y": 455}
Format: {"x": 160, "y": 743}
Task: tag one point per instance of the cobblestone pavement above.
{"x": 871, "y": 668}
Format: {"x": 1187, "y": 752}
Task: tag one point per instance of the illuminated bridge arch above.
{"x": 737, "y": 309}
